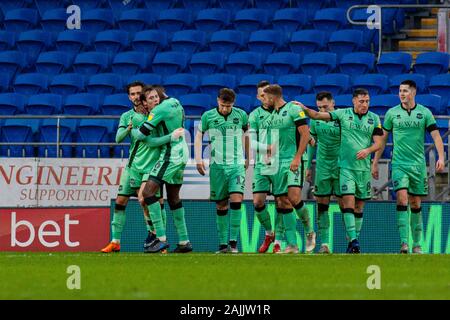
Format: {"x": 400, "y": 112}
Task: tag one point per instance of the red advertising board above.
{"x": 52, "y": 229}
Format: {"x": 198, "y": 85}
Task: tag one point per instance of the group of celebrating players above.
{"x": 284, "y": 145}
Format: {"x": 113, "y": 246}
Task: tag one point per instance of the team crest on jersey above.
{"x": 350, "y": 118}
{"x": 419, "y": 116}
{"x": 235, "y": 120}
{"x": 216, "y": 121}
{"x": 261, "y": 117}
{"x": 399, "y": 116}
{"x": 370, "y": 121}
{"x": 150, "y": 116}
{"x": 344, "y": 187}
{"x": 284, "y": 113}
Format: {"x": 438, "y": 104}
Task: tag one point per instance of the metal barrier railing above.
{"x": 379, "y": 25}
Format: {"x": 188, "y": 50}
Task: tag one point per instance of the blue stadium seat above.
{"x": 318, "y": 63}
{"x": 419, "y": 79}
{"x": 11, "y": 62}
{"x": 169, "y": 62}
{"x": 89, "y": 4}
{"x": 432, "y": 102}
{"x": 44, "y": 104}
{"x": 345, "y": 41}
{"x": 73, "y": 41}
{"x": 243, "y": 63}
{"x": 48, "y": 132}
{"x": 282, "y": 63}
{"x": 90, "y": 63}
{"x": 431, "y": 63}
{"x": 116, "y": 104}
{"x": 54, "y": 20}
{"x": 67, "y": 83}
{"x": 271, "y": 4}
{"x": 196, "y": 103}
{"x": 308, "y": 100}
{"x": 345, "y": 4}
{"x": 249, "y": 20}
{"x": 53, "y": 62}
{"x": 12, "y": 103}
{"x": 211, "y": 84}
{"x": 188, "y": 41}
{"x": 135, "y": 20}
{"x": 197, "y": 5}
{"x": 7, "y": 40}
{"x": 203, "y": 63}
{"x": 330, "y": 19}
{"x": 212, "y": 20}
{"x": 394, "y": 63}
{"x": 357, "y": 63}
{"x": 307, "y": 41}
{"x": 180, "y": 84}
{"x": 227, "y": 41}
{"x": 233, "y": 5}
{"x": 97, "y": 20}
{"x": 111, "y": 41}
{"x": 18, "y": 130}
{"x": 93, "y": 131}
{"x": 310, "y": 6}
{"x": 118, "y": 7}
{"x": 147, "y": 78}
{"x": 380, "y": 104}
{"x": 119, "y": 151}
{"x": 33, "y": 42}
{"x": 289, "y": 20}
{"x": 266, "y": 41}
{"x": 343, "y": 101}
{"x": 374, "y": 83}
{"x": 370, "y": 36}
{"x": 81, "y": 104}
{"x": 440, "y": 85}
{"x": 45, "y": 5}
{"x": 7, "y": 5}
{"x": 5, "y": 81}
{"x": 173, "y": 20}
{"x": 31, "y": 83}
{"x": 130, "y": 62}
{"x": 295, "y": 84}
{"x": 245, "y": 102}
{"x": 336, "y": 83}
{"x": 150, "y": 41}
{"x": 20, "y": 20}
{"x": 248, "y": 83}
{"x": 105, "y": 83}
{"x": 159, "y": 5}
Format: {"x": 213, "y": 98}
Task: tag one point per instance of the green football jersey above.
{"x": 408, "y": 130}
{"x": 328, "y": 140}
{"x": 356, "y": 134}
{"x": 284, "y": 123}
{"x": 259, "y": 128}
{"x": 225, "y": 135}
{"x": 165, "y": 118}
{"x": 142, "y": 156}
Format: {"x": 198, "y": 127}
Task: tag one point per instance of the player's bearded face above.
{"x": 152, "y": 99}
{"x": 361, "y": 104}
{"x": 134, "y": 95}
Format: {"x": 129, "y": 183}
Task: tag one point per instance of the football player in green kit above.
{"x": 408, "y": 122}
{"x": 327, "y": 137}
{"x": 359, "y": 127}
{"x": 166, "y": 118}
{"x": 225, "y": 126}
{"x": 289, "y": 136}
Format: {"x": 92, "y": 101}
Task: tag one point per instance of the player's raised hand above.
{"x": 177, "y": 133}
{"x": 375, "y": 172}
{"x": 300, "y": 104}
{"x": 309, "y": 175}
{"x": 440, "y": 165}
{"x": 201, "y": 168}
{"x": 362, "y": 154}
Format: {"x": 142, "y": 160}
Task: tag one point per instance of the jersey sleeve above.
{"x": 203, "y": 126}
{"x": 253, "y": 124}
{"x": 312, "y": 128}
{"x": 336, "y": 115}
{"x": 430, "y": 122}
{"x": 387, "y": 125}
{"x": 244, "y": 121}
{"x": 377, "y": 131}
{"x": 298, "y": 115}
{"x": 122, "y": 131}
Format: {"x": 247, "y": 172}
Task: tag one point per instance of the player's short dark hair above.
{"x": 147, "y": 88}
{"x": 134, "y": 84}
{"x": 410, "y": 83}
{"x": 360, "y": 92}
{"x": 227, "y": 95}
{"x": 324, "y": 95}
{"x": 262, "y": 84}
{"x": 274, "y": 89}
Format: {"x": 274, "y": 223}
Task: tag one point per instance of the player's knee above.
{"x": 299, "y": 205}
{"x": 235, "y": 205}
{"x": 150, "y": 200}
{"x": 322, "y": 207}
{"x": 120, "y": 207}
{"x": 175, "y": 205}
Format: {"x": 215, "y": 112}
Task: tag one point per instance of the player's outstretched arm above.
{"x": 154, "y": 142}
{"x": 325, "y": 116}
{"x": 123, "y": 130}
{"x": 440, "y": 163}
{"x": 378, "y": 154}
{"x": 198, "y": 153}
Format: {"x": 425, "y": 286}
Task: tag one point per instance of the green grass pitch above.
{"x": 209, "y": 276}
